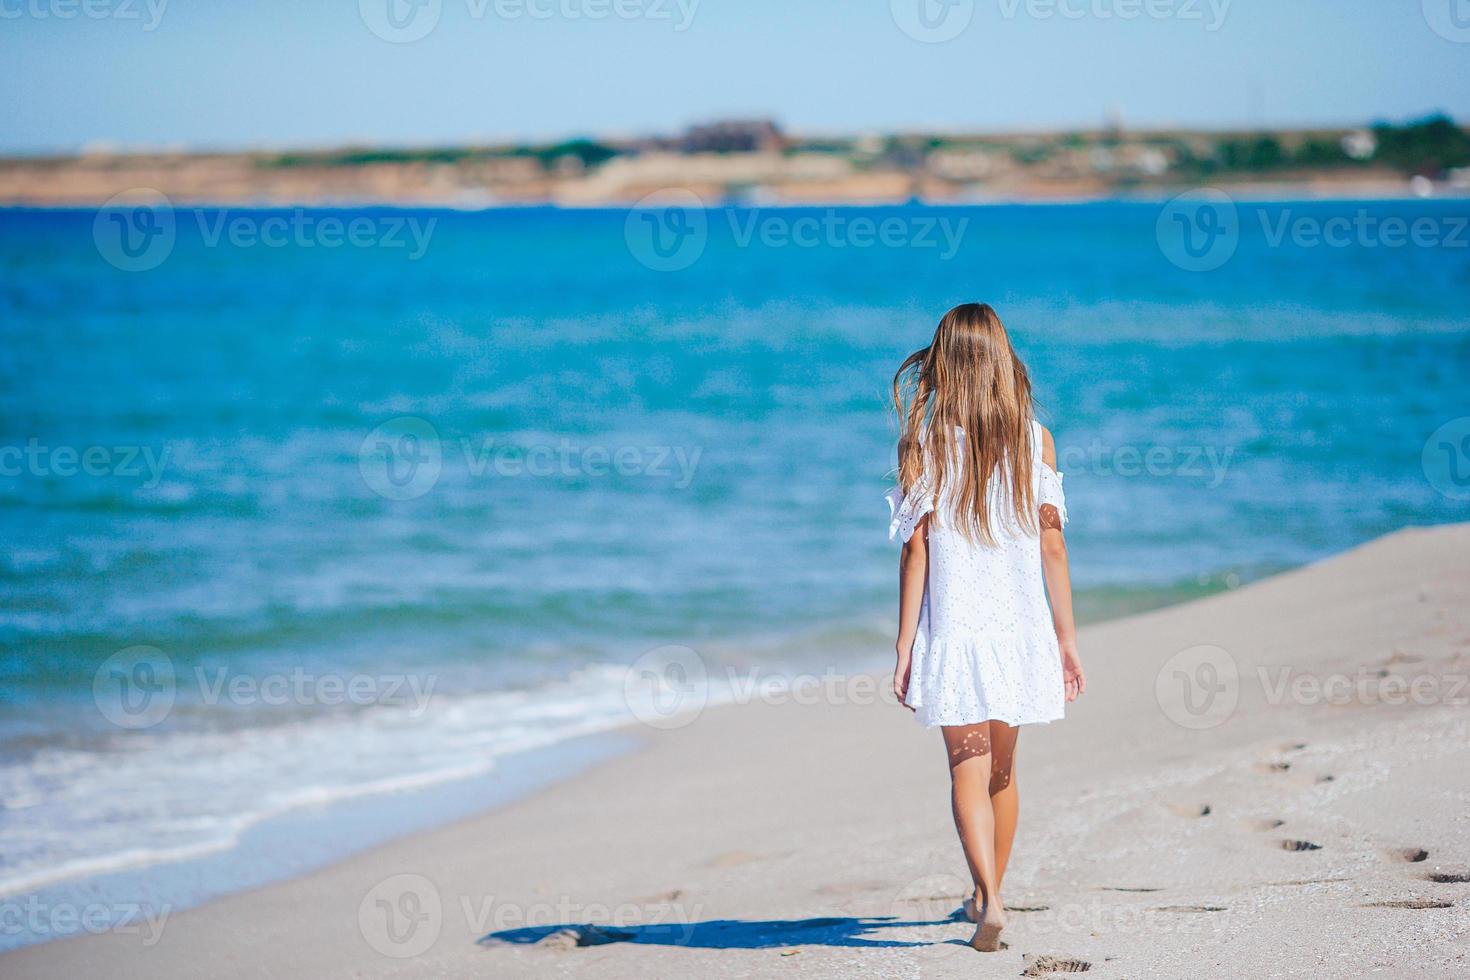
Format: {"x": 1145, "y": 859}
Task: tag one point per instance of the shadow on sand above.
{"x": 726, "y": 933}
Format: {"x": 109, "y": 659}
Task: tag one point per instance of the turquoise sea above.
{"x": 478, "y": 464}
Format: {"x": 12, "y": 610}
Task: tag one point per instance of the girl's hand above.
{"x": 1073, "y": 680}
{"x": 901, "y": 678}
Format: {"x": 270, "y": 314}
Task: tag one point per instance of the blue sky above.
{"x": 212, "y": 73}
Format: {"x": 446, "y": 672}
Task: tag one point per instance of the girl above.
{"x": 980, "y": 509}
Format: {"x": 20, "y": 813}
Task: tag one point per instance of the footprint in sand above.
{"x": 662, "y": 898}
{"x": 1408, "y": 855}
{"x": 1190, "y": 809}
{"x": 1300, "y": 845}
{"x": 577, "y": 936}
{"x": 1041, "y": 965}
{"x": 1449, "y": 877}
{"x": 1266, "y": 823}
{"x": 1272, "y": 766}
{"x": 1410, "y": 903}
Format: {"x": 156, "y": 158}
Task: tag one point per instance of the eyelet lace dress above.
{"x": 986, "y": 647}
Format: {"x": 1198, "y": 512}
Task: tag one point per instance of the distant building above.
{"x": 733, "y": 136}
{"x": 1360, "y": 144}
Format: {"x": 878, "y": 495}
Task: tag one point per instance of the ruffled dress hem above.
{"x": 968, "y": 680}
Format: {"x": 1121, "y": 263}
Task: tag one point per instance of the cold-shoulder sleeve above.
{"x": 1051, "y": 492}
{"x": 906, "y": 510}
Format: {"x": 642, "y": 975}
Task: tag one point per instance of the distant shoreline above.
{"x": 754, "y": 162}
{"x": 1253, "y": 194}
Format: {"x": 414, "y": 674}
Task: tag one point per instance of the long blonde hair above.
{"x": 968, "y": 377}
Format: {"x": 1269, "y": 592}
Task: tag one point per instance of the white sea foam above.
{"x": 151, "y": 798}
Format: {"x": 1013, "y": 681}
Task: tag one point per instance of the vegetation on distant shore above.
{"x": 753, "y": 159}
{"x": 1429, "y": 146}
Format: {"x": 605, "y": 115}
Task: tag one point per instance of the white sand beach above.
{"x": 1310, "y": 819}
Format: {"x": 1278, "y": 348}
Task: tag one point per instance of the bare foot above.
{"x": 969, "y": 906}
{"x": 988, "y": 929}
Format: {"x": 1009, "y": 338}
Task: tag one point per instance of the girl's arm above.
{"x": 1059, "y": 583}
{"x": 913, "y": 572}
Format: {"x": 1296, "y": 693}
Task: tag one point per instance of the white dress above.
{"x": 986, "y": 647}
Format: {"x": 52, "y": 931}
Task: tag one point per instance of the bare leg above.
{"x": 969, "y": 751}
{"x": 1004, "y": 799}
